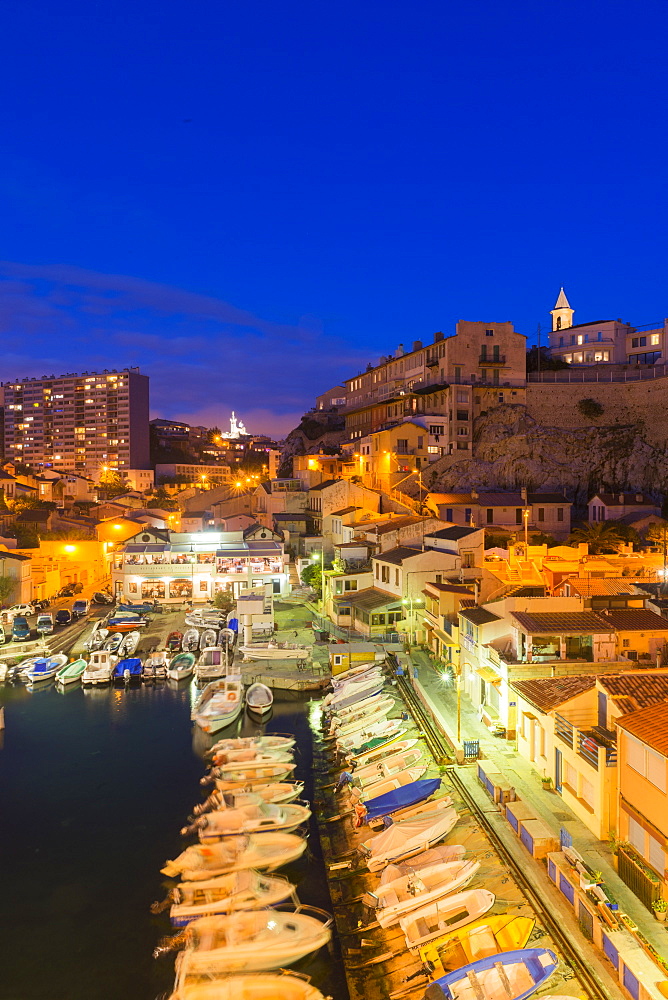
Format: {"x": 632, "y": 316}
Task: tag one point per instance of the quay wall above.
{"x": 643, "y": 404}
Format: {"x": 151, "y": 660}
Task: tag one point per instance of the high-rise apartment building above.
{"x": 78, "y": 423}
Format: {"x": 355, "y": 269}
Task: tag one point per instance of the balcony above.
{"x": 497, "y": 359}
{"x": 587, "y": 742}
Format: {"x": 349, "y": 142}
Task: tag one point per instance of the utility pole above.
{"x": 538, "y": 336}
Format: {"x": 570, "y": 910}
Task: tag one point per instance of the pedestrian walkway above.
{"x": 548, "y": 805}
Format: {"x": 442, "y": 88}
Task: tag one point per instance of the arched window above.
{"x": 558, "y": 322}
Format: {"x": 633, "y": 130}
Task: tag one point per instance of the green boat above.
{"x": 181, "y": 666}
{"x": 71, "y": 672}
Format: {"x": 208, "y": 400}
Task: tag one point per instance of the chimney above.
{"x": 639, "y": 498}
{"x": 399, "y": 353}
{"x": 621, "y": 498}
{"x": 417, "y": 345}
{"x": 438, "y": 336}
{"x": 474, "y": 494}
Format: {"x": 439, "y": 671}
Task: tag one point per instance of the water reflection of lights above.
{"x": 315, "y": 716}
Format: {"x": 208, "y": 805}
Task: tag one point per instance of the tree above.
{"x": 7, "y": 584}
{"x": 590, "y": 408}
{"x": 224, "y": 601}
{"x": 111, "y": 484}
{"x": 312, "y": 577}
{"x": 547, "y": 364}
{"x": 658, "y": 534}
{"x": 161, "y": 500}
{"x": 601, "y": 536}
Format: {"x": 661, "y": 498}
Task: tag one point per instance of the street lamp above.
{"x": 525, "y": 516}
{"x": 317, "y": 556}
{"x": 409, "y": 600}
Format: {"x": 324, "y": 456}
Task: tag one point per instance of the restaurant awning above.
{"x": 234, "y": 552}
{"x": 146, "y": 548}
{"x": 372, "y": 599}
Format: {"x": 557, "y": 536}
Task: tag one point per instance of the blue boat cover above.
{"x": 132, "y": 665}
{"x": 41, "y": 666}
{"x": 233, "y": 623}
{"x": 399, "y": 798}
{"x": 540, "y": 963}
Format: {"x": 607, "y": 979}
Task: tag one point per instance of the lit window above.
{"x": 654, "y": 339}
{"x": 580, "y": 340}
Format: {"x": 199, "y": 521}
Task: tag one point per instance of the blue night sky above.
{"x": 253, "y": 200}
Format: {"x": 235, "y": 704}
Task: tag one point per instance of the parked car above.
{"x": 20, "y": 629}
{"x": 80, "y": 608}
{"x": 100, "y": 597}
{"x": 66, "y": 592}
{"x": 77, "y": 587}
{"x": 44, "y": 624}
{"x": 63, "y": 617}
{"x": 22, "y": 609}
{"x": 40, "y": 605}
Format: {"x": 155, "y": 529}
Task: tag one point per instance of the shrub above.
{"x": 590, "y": 408}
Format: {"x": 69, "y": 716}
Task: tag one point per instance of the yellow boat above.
{"x": 487, "y": 936}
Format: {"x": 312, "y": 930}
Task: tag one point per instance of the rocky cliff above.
{"x": 512, "y": 449}
{"x": 317, "y": 431}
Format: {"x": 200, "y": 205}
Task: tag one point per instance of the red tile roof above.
{"x": 562, "y": 622}
{"x": 650, "y": 725}
{"x": 634, "y": 691}
{"x": 547, "y": 693}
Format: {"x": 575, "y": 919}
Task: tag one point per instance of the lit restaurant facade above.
{"x": 177, "y": 567}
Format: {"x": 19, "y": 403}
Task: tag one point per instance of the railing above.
{"x": 588, "y": 375}
{"x": 496, "y": 359}
{"x": 564, "y": 729}
{"x": 585, "y": 742}
{"x": 633, "y": 871}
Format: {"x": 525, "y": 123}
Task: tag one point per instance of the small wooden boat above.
{"x": 249, "y": 941}
{"x": 360, "y": 668}
{"x": 265, "y": 852}
{"x": 490, "y": 935}
{"x": 277, "y": 791}
{"x": 406, "y": 838}
{"x": 244, "y": 890}
{"x": 156, "y": 665}
{"x": 71, "y": 672}
{"x": 375, "y": 757}
{"x": 338, "y": 687}
{"x": 352, "y": 692}
{"x": 251, "y": 756}
{"x": 174, "y": 640}
{"x": 129, "y": 643}
{"x": 435, "y": 919}
{"x": 276, "y": 651}
{"x": 251, "y": 986}
{"x": 113, "y": 644}
{"x": 244, "y": 742}
{"x": 399, "y": 896}
{"x": 180, "y": 666}
{"x": 45, "y": 668}
{"x": 259, "y": 699}
{"x": 344, "y": 714}
{"x": 219, "y": 704}
{"x": 407, "y": 777}
{"x": 260, "y": 817}
{"x": 212, "y": 663}
{"x": 360, "y": 725}
{"x": 363, "y": 709}
{"x": 397, "y": 800}
{"x": 442, "y": 854}
{"x": 126, "y": 624}
{"x": 209, "y": 637}
{"x": 99, "y": 667}
{"x": 514, "y": 975}
{"x": 378, "y": 730}
{"x": 97, "y": 638}
{"x": 190, "y": 641}
{"x": 393, "y": 764}
{"x": 127, "y": 670}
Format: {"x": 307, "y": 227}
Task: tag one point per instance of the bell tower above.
{"x": 562, "y": 314}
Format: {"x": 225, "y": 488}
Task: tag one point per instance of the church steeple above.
{"x": 562, "y": 314}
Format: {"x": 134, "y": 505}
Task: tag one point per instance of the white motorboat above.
{"x": 230, "y": 779}
{"x": 382, "y": 753}
{"x": 444, "y": 915}
{"x": 129, "y": 643}
{"x": 251, "y": 756}
{"x": 209, "y": 637}
{"x": 244, "y": 890}
{"x": 219, "y": 704}
{"x": 252, "y": 986}
{"x": 156, "y": 665}
{"x": 404, "y": 777}
{"x": 385, "y": 728}
{"x": 442, "y": 854}
{"x": 277, "y": 791}
{"x": 249, "y": 941}
{"x": 260, "y": 817}
{"x": 360, "y": 668}
{"x": 354, "y": 684}
{"x": 363, "y": 722}
{"x": 99, "y": 668}
{"x": 266, "y": 852}
{"x": 345, "y": 714}
{"x": 71, "y": 673}
{"x": 45, "y": 668}
{"x": 276, "y": 651}
{"x": 212, "y": 663}
{"x": 113, "y": 644}
{"x": 190, "y": 641}
{"x": 259, "y": 699}
{"x": 394, "y": 764}
{"x": 244, "y": 742}
{"x": 181, "y": 666}
{"x": 407, "y": 837}
{"x": 396, "y": 898}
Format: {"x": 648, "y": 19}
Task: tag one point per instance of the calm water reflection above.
{"x": 94, "y": 786}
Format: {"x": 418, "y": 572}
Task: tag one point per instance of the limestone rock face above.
{"x": 316, "y": 432}
{"x": 512, "y": 449}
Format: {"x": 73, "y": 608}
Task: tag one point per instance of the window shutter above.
{"x": 657, "y": 857}
{"x": 635, "y": 754}
{"x": 636, "y": 836}
{"x": 656, "y": 769}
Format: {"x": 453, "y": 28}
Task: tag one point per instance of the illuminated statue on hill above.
{"x": 237, "y": 428}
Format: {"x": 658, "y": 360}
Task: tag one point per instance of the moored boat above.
{"x": 265, "y": 852}
{"x": 181, "y": 666}
{"x": 514, "y": 975}
{"x": 250, "y": 986}
{"x": 384, "y": 729}
{"x": 45, "y": 668}
{"x": 490, "y": 935}
{"x": 99, "y": 667}
{"x": 244, "y": 890}
{"x": 383, "y": 754}
{"x": 276, "y": 651}
{"x": 360, "y": 668}
{"x": 155, "y": 665}
{"x": 406, "y": 838}
{"x": 71, "y": 672}
{"x": 350, "y": 695}
{"x": 444, "y": 915}
{"x": 190, "y": 641}
{"x": 174, "y": 640}
{"x": 273, "y": 742}
{"x": 397, "y": 897}
{"x": 361, "y": 724}
{"x": 129, "y": 643}
{"x": 378, "y": 702}
{"x": 230, "y": 778}
{"x": 219, "y": 704}
{"x": 252, "y": 818}
{"x": 127, "y": 670}
{"x": 249, "y": 941}
{"x": 393, "y": 764}
{"x": 259, "y": 699}
{"x": 399, "y": 798}
{"x": 212, "y": 663}
{"x": 277, "y": 791}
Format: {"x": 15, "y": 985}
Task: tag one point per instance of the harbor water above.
{"x": 94, "y": 787}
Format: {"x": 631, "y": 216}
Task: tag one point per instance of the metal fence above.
{"x": 589, "y": 375}
{"x": 638, "y": 879}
